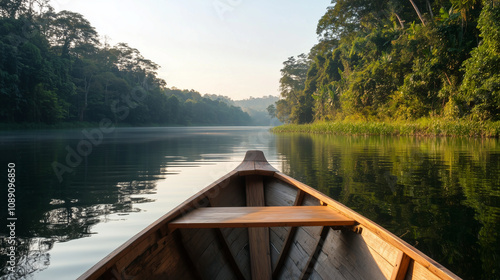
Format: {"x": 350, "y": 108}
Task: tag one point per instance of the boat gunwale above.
{"x": 111, "y": 259}
{"x": 265, "y": 169}
{"x": 416, "y": 255}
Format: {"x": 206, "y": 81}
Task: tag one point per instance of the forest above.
{"x": 256, "y": 107}
{"x": 403, "y": 60}
{"x": 54, "y": 67}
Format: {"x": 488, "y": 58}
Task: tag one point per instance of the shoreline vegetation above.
{"x": 397, "y": 68}
{"x": 421, "y": 127}
{"x": 57, "y": 72}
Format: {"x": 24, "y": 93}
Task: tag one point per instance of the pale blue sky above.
{"x": 228, "y": 47}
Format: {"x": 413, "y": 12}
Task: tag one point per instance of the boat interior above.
{"x": 257, "y": 223}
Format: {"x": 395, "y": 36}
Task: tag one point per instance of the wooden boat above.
{"x": 258, "y": 223}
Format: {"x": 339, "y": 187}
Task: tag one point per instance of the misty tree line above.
{"x": 54, "y": 67}
{"x": 397, "y": 60}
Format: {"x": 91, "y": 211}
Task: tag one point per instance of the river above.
{"x": 81, "y": 193}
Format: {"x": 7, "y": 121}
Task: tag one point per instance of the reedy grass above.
{"x": 421, "y": 127}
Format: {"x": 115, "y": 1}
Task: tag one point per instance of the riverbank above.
{"x": 422, "y": 127}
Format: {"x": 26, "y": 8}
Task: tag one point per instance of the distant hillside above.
{"x": 223, "y": 98}
{"x": 256, "y": 107}
{"x": 258, "y": 104}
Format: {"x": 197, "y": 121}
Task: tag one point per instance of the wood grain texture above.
{"x": 307, "y": 270}
{"x": 299, "y": 197}
{"x": 226, "y": 250}
{"x": 255, "y": 191}
{"x": 139, "y": 243}
{"x": 417, "y": 272}
{"x": 278, "y": 193}
{"x": 258, "y": 238}
{"x": 373, "y": 254}
{"x": 229, "y": 193}
{"x": 299, "y": 255}
{"x": 401, "y": 267}
{"x": 260, "y": 255}
{"x": 345, "y": 255}
{"x": 168, "y": 259}
{"x": 310, "y": 200}
{"x": 255, "y": 163}
{"x": 271, "y": 216}
{"x": 386, "y": 250}
{"x": 237, "y": 240}
{"x": 203, "y": 248}
{"x": 232, "y": 192}
{"x": 434, "y": 267}
{"x": 277, "y": 236}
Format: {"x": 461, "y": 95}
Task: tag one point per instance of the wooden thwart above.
{"x": 244, "y": 251}
{"x": 275, "y": 216}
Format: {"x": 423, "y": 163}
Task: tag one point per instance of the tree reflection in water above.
{"x": 68, "y": 220}
{"x": 442, "y": 195}
{"x": 116, "y": 178}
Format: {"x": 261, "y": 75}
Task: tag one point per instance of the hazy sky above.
{"x": 228, "y": 47}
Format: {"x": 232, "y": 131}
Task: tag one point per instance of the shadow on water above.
{"x": 441, "y": 195}
{"x": 119, "y": 173}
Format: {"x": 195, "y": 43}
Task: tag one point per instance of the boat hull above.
{"x": 184, "y": 245}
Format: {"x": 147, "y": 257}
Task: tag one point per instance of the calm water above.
{"x": 441, "y": 195}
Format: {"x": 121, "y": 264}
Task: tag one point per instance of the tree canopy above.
{"x": 397, "y": 59}
{"x": 54, "y": 67}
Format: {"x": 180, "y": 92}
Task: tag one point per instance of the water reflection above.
{"x": 441, "y": 195}
{"x": 119, "y": 175}
{"x": 33, "y": 257}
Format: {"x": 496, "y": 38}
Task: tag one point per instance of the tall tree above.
{"x": 480, "y": 89}
{"x": 10, "y": 8}
{"x": 69, "y": 31}
{"x": 27, "y": 8}
{"x": 292, "y": 83}
{"x": 396, "y": 59}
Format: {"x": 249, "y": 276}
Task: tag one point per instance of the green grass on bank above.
{"x": 422, "y": 127}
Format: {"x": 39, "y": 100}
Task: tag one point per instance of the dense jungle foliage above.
{"x": 382, "y": 60}
{"x": 54, "y": 67}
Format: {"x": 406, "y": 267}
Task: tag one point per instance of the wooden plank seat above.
{"x": 271, "y": 216}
